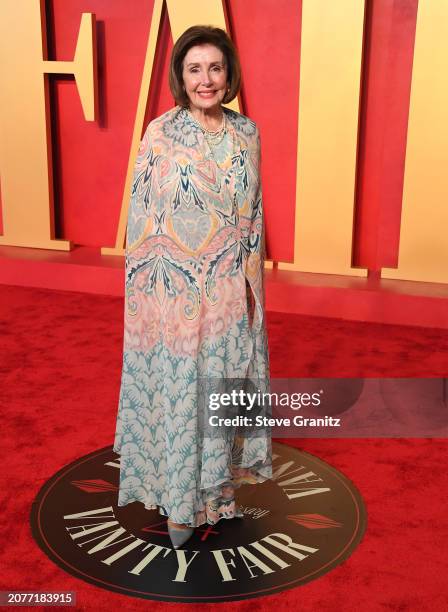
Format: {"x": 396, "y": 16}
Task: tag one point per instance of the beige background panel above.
{"x": 423, "y": 254}
{"x": 330, "y": 73}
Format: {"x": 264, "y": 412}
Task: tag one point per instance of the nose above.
{"x": 205, "y": 79}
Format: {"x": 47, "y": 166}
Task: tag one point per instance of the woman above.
{"x": 194, "y": 306}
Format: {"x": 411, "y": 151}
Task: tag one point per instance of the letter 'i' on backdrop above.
{"x": 25, "y": 146}
{"x": 330, "y": 77}
{"x": 423, "y": 254}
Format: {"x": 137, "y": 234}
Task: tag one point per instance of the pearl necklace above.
{"x": 213, "y": 137}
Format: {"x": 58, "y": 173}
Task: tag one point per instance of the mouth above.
{"x": 206, "y": 94}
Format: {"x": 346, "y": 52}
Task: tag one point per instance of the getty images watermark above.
{"x": 277, "y": 403}
{"x": 325, "y": 407}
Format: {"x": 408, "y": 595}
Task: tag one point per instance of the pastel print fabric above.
{"x": 194, "y": 309}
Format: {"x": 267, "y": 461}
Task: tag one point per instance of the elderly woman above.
{"x": 194, "y": 303}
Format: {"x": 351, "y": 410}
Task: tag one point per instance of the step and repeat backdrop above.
{"x": 350, "y": 97}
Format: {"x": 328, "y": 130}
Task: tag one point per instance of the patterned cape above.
{"x": 194, "y": 312}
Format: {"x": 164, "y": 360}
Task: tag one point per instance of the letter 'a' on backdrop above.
{"x": 182, "y": 14}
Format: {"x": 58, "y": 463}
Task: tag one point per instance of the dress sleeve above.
{"x": 140, "y": 201}
{"x": 256, "y": 256}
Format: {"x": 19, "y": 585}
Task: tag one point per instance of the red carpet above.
{"x": 61, "y": 364}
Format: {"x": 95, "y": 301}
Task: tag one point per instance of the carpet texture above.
{"x": 60, "y": 370}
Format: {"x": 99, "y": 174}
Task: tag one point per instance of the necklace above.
{"x": 213, "y": 137}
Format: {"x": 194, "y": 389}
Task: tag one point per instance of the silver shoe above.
{"x": 238, "y": 512}
{"x": 179, "y": 536}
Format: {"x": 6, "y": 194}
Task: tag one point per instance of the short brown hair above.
{"x": 200, "y": 35}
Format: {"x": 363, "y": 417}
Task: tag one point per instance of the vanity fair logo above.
{"x": 301, "y": 524}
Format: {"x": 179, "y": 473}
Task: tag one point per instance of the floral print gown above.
{"x": 194, "y": 307}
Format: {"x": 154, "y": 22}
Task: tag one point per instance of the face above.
{"x": 205, "y": 77}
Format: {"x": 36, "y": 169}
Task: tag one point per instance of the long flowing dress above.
{"x": 194, "y": 310}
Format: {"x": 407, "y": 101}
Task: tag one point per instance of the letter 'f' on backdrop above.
{"x": 25, "y": 144}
